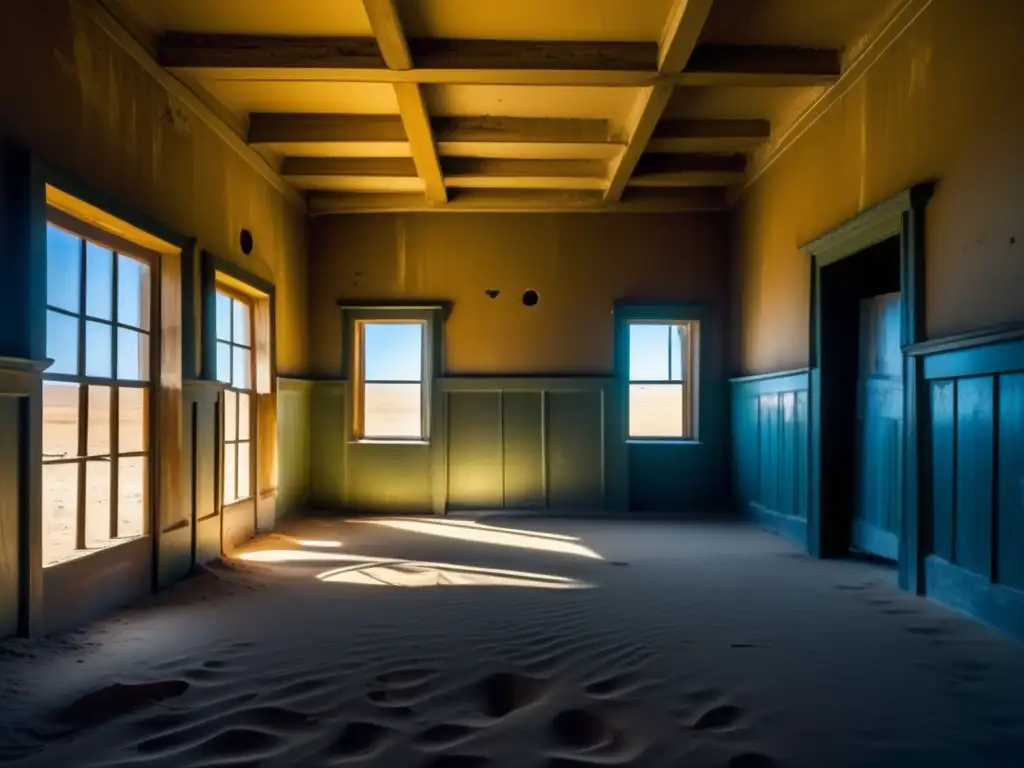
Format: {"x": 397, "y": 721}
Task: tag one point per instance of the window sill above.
{"x": 385, "y": 441}
{"x": 80, "y": 554}
{"x": 661, "y": 441}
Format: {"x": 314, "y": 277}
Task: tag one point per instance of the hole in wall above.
{"x": 530, "y": 298}
{"x": 245, "y": 241}
{"x": 492, "y": 293}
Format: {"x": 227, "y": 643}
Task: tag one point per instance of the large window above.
{"x": 391, "y": 397}
{"x": 663, "y": 380}
{"x": 96, "y": 396}
{"x": 235, "y": 368}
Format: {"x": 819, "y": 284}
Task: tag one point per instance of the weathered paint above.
{"x": 941, "y": 103}
{"x": 579, "y": 264}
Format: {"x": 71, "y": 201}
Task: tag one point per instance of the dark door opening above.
{"x": 862, "y": 400}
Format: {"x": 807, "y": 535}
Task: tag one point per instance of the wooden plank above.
{"x": 349, "y": 166}
{"x": 475, "y": 166}
{"x": 494, "y": 62}
{"x": 646, "y": 113}
{"x": 679, "y": 38}
{"x": 975, "y": 468}
{"x": 542, "y": 201}
{"x": 11, "y": 487}
{"x": 1010, "y": 523}
{"x": 522, "y": 130}
{"x": 574, "y": 456}
{"x": 387, "y": 29}
{"x": 687, "y": 170}
{"x": 424, "y": 152}
{"x": 273, "y": 128}
{"x": 475, "y": 473}
{"x": 787, "y": 453}
{"x": 708, "y": 135}
{"x": 522, "y": 447}
{"x": 768, "y": 452}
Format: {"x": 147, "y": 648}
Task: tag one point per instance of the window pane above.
{"x": 241, "y": 323}
{"x": 392, "y": 410}
{"x": 648, "y": 352}
{"x": 99, "y": 350}
{"x": 99, "y": 421}
{"x": 132, "y": 355}
{"x": 60, "y": 511}
{"x": 97, "y": 504}
{"x": 223, "y": 362}
{"x": 132, "y": 495}
{"x": 243, "y": 470}
{"x": 677, "y": 348}
{"x": 223, "y": 317}
{"x": 656, "y": 410}
{"x": 60, "y": 420}
{"x": 230, "y": 415}
{"x": 240, "y": 367}
{"x": 393, "y": 351}
{"x": 63, "y": 270}
{"x": 244, "y": 417}
{"x": 132, "y": 292}
{"x": 99, "y": 280}
{"x": 132, "y": 420}
{"x": 62, "y": 343}
{"x": 229, "y": 473}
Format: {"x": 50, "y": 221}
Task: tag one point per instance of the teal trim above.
{"x": 975, "y": 361}
{"x": 998, "y": 606}
{"x": 770, "y": 441}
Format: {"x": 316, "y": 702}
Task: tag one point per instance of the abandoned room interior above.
{"x": 522, "y": 383}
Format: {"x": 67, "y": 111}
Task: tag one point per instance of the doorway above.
{"x": 861, "y": 316}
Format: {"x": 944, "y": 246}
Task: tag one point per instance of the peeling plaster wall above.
{"x": 944, "y": 103}
{"x": 69, "y": 93}
{"x": 579, "y": 264}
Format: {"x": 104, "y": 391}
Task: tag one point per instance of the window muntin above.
{"x": 96, "y": 396}
{"x": 662, "y": 380}
{"x": 391, "y": 398}
{"x": 235, "y": 368}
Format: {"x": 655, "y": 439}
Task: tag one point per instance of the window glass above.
{"x": 98, "y": 438}
{"x": 393, "y": 351}
{"x": 99, "y": 271}
{"x": 99, "y": 343}
{"x": 62, "y": 343}
{"x": 132, "y": 292}
{"x": 63, "y": 270}
{"x": 60, "y": 420}
{"x": 661, "y": 395}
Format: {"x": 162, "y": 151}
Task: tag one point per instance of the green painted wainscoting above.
{"x": 770, "y": 446}
{"x": 514, "y": 443}
{"x": 973, "y": 546}
{"x": 294, "y": 420}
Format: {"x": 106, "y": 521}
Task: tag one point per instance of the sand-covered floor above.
{"x": 520, "y": 642}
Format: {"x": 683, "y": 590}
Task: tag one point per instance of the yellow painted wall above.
{"x": 945, "y": 102}
{"x": 70, "y": 94}
{"x": 578, "y": 263}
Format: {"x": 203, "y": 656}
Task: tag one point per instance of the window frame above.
{"x": 689, "y": 374}
{"x": 361, "y": 381}
{"x": 698, "y": 316}
{"x": 251, "y": 393}
{"x": 432, "y": 316}
{"x": 118, "y": 247}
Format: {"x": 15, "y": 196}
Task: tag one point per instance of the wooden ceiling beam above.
{"x": 688, "y": 170}
{"x": 398, "y": 167}
{"x": 514, "y": 173}
{"x": 523, "y": 130}
{"x": 282, "y": 128}
{"x": 387, "y": 29}
{"x": 708, "y": 135}
{"x": 498, "y": 62}
{"x": 678, "y": 40}
{"x": 525, "y": 201}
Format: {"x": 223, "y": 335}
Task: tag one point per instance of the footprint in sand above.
{"x": 581, "y": 729}
{"x": 361, "y": 740}
{"x": 614, "y": 686}
{"x": 119, "y": 699}
{"x": 503, "y": 693}
{"x": 752, "y": 760}
{"x": 444, "y": 736}
{"x": 722, "y": 718}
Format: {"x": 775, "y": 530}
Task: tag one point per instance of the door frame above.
{"x": 902, "y": 216}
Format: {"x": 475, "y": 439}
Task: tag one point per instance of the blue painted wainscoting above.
{"x": 974, "y": 547}
{"x": 770, "y": 447}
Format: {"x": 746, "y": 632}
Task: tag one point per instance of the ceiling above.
{"x": 508, "y": 104}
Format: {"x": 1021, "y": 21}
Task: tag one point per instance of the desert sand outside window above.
{"x": 391, "y": 365}
{"x": 663, "y": 375}
{"x": 96, "y": 395}
{"x": 235, "y": 360}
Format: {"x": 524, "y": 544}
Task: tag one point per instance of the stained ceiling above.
{"x": 508, "y": 104}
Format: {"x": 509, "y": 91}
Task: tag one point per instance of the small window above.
{"x": 662, "y": 380}
{"x": 96, "y": 396}
{"x": 391, "y": 402}
{"x": 235, "y": 369}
